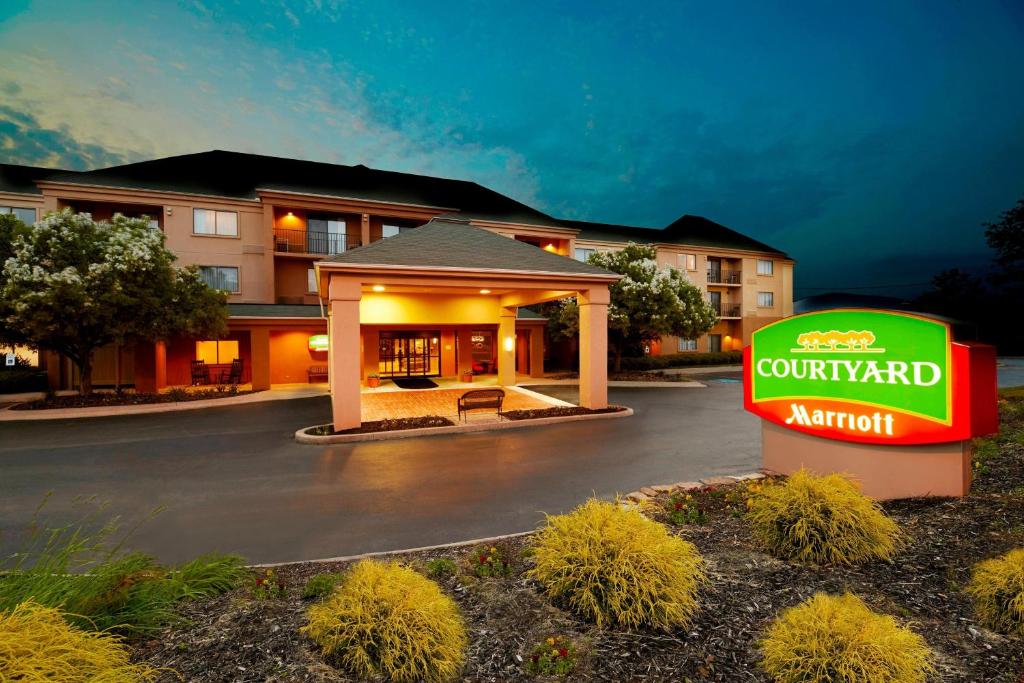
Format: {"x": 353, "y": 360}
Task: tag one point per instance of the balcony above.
{"x": 724, "y": 277}
{"x": 312, "y": 242}
{"x": 726, "y": 310}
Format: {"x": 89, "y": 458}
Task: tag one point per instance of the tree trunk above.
{"x": 617, "y": 359}
{"x": 85, "y": 375}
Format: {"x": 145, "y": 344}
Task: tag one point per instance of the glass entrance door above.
{"x": 415, "y": 353}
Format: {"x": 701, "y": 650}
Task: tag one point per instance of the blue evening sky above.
{"x": 867, "y": 139}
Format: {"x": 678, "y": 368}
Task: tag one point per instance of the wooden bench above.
{"x": 317, "y": 373}
{"x": 480, "y": 399}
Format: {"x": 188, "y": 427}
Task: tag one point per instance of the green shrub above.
{"x": 997, "y": 589}
{"x": 828, "y": 639}
{"x": 616, "y": 567}
{"x": 21, "y": 379}
{"x": 36, "y": 644}
{"x": 682, "y": 360}
{"x": 822, "y": 520}
{"x": 440, "y": 567}
{"x": 86, "y": 576}
{"x": 320, "y": 585}
{"x": 384, "y": 619}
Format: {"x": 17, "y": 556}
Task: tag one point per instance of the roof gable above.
{"x": 22, "y": 179}
{"x": 455, "y": 244}
{"x": 689, "y": 230}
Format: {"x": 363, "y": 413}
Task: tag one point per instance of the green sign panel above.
{"x": 873, "y": 358}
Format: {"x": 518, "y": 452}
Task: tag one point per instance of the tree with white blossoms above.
{"x": 646, "y": 304}
{"x": 72, "y": 285}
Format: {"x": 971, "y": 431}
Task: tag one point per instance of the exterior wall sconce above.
{"x": 510, "y": 343}
{"x": 378, "y": 288}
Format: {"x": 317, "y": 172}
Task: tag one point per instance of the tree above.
{"x": 646, "y": 304}
{"x": 1006, "y": 238}
{"x": 11, "y": 228}
{"x": 73, "y": 285}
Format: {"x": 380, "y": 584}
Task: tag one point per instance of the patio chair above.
{"x": 200, "y": 373}
{"x": 233, "y": 375}
{"x": 479, "y": 399}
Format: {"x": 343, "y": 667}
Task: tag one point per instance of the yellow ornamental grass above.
{"x": 37, "y": 644}
{"x": 385, "y": 619}
{"x": 832, "y": 639}
{"x": 616, "y": 567}
{"x": 822, "y": 520}
{"x": 997, "y": 589}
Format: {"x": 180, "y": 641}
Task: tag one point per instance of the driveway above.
{"x": 233, "y": 479}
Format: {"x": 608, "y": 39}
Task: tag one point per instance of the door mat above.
{"x": 414, "y": 382}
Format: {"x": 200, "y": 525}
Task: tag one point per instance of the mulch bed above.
{"x": 237, "y": 638}
{"x": 558, "y": 411}
{"x": 393, "y": 425}
{"x": 127, "y": 398}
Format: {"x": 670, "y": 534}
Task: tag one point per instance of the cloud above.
{"x": 24, "y": 141}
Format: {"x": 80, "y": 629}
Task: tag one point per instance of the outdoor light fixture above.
{"x": 485, "y": 291}
{"x": 510, "y": 343}
{"x": 378, "y": 288}
{"x": 550, "y": 247}
{"x": 291, "y": 215}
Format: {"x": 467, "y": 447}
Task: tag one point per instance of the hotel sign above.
{"x": 865, "y": 376}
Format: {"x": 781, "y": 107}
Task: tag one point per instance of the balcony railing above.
{"x": 726, "y": 310}
{"x": 312, "y": 242}
{"x": 724, "y": 277}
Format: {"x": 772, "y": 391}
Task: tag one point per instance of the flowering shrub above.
{"x": 489, "y": 561}
{"x": 556, "y": 656}
{"x": 684, "y": 509}
{"x": 267, "y": 586}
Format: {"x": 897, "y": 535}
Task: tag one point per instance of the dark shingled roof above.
{"x": 695, "y": 231}
{"x": 239, "y": 176}
{"x": 274, "y": 310}
{"x": 22, "y": 179}
{"x": 449, "y": 243}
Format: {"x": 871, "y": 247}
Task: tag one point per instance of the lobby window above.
{"x": 765, "y": 266}
{"x": 25, "y": 215}
{"x": 688, "y": 261}
{"x": 765, "y": 299}
{"x": 311, "y": 280}
{"x": 583, "y": 254}
{"x": 210, "y": 222}
{"x": 224, "y": 278}
{"x": 687, "y": 344}
{"x": 218, "y": 352}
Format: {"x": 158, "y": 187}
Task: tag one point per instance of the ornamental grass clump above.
{"x": 997, "y": 589}
{"x": 37, "y": 644}
{"x": 822, "y": 520}
{"x": 616, "y": 567}
{"x": 829, "y": 638}
{"x": 385, "y": 619}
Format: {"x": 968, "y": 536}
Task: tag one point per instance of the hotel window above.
{"x": 326, "y": 235}
{"x": 388, "y": 230}
{"x": 311, "y": 280}
{"x": 224, "y": 278}
{"x": 765, "y": 266}
{"x": 210, "y": 222}
{"x": 688, "y": 261}
{"x": 583, "y": 254}
{"x": 25, "y": 215}
{"x": 765, "y": 299}
{"x": 714, "y": 343}
{"x": 687, "y": 344}
{"x": 219, "y": 352}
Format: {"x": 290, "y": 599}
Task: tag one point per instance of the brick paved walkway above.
{"x": 443, "y": 402}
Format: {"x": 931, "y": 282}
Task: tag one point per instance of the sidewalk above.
{"x": 281, "y": 392}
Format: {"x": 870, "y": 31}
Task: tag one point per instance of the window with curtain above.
{"x": 765, "y": 299}
{"x": 23, "y": 214}
{"x": 765, "y": 266}
{"x": 210, "y": 222}
{"x": 224, "y": 278}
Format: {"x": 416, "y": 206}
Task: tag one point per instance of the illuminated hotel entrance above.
{"x": 414, "y": 353}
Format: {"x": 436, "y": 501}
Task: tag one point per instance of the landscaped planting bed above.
{"x": 558, "y": 411}
{"x": 686, "y": 591}
{"x": 130, "y": 398}
{"x": 393, "y": 425}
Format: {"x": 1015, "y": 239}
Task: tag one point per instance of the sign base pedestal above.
{"x": 884, "y": 472}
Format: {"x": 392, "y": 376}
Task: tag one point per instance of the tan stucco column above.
{"x": 593, "y": 304}
{"x": 506, "y": 346}
{"x": 537, "y": 352}
{"x": 259, "y": 348}
{"x": 345, "y": 358}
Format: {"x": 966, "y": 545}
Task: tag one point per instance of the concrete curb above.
{"x": 646, "y": 492}
{"x": 711, "y": 481}
{"x": 302, "y": 437}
